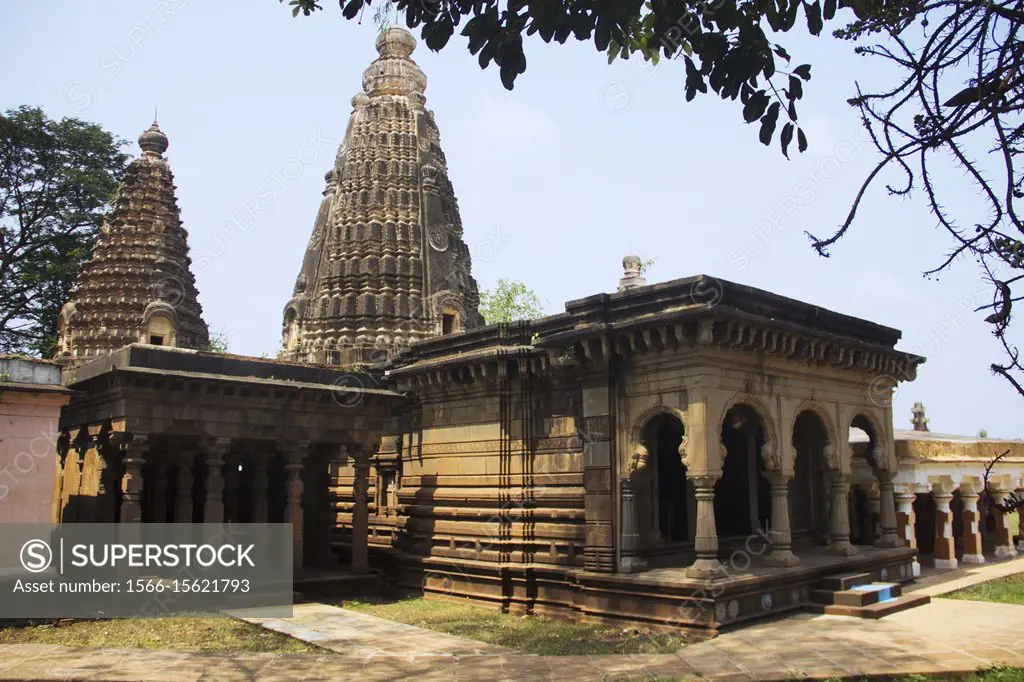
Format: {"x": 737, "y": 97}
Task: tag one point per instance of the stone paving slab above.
{"x": 364, "y": 636}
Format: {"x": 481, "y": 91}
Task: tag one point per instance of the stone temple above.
{"x": 689, "y": 453}
{"x": 386, "y": 264}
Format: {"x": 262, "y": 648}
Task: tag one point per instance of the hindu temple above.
{"x": 689, "y": 453}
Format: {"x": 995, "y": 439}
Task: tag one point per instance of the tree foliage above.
{"x": 956, "y": 102}
{"x": 56, "y": 178}
{"x": 510, "y": 300}
{"x": 724, "y": 43}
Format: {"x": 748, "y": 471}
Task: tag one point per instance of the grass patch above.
{"x": 1008, "y": 590}
{"x": 179, "y": 634}
{"x": 530, "y": 634}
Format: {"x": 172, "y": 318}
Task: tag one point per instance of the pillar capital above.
{"x": 293, "y": 451}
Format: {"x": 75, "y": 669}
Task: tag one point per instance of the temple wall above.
{"x": 29, "y": 421}
{"x": 490, "y": 486}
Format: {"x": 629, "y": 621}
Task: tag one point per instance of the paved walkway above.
{"x": 361, "y": 636}
{"x": 942, "y": 637}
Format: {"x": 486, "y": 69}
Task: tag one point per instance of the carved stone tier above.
{"x": 137, "y": 285}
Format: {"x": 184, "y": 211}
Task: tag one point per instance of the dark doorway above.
{"x": 742, "y": 500}
{"x": 808, "y": 489}
{"x": 663, "y": 436}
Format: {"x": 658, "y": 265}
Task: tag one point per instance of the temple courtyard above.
{"x": 947, "y": 637}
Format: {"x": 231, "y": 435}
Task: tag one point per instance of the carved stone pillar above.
{"x": 107, "y": 483}
{"x": 231, "y": 489}
{"x": 158, "y": 494}
{"x": 183, "y": 505}
{"x": 945, "y": 549}
{"x": 630, "y": 561}
{"x": 706, "y": 536}
{"x": 906, "y": 523}
{"x": 889, "y": 535}
{"x": 258, "y": 477}
{"x": 360, "y": 513}
{"x": 839, "y": 515}
{"x": 295, "y": 456}
{"x": 972, "y": 526}
{"x": 1020, "y": 524}
{"x": 779, "y": 531}
{"x": 131, "y": 482}
{"x": 1004, "y": 535}
{"x": 213, "y": 506}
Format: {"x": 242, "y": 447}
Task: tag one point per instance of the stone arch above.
{"x": 641, "y": 423}
{"x": 751, "y": 452}
{"x": 159, "y": 324}
{"x": 759, "y": 406}
{"x": 664, "y": 498}
{"x": 821, "y": 412}
{"x": 811, "y": 438}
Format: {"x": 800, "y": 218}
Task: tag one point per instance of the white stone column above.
{"x": 1004, "y": 535}
{"x": 906, "y": 523}
{"x": 945, "y": 549}
{"x": 779, "y": 532}
{"x": 972, "y": 525}
{"x": 1020, "y": 524}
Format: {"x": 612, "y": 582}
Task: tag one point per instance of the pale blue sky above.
{"x": 556, "y": 181}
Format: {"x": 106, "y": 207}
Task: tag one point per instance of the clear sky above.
{"x": 581, "y": 164}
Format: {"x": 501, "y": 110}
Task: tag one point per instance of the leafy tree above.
{"x": 983, "y": 434}
{"x": 510, "y": 300}
{"x": 56, "y": 178}
{"x": 220, "y": 342}
{"x": 723, "y": 42}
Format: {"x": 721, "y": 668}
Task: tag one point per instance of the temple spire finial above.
{"x": 633, "y": 277}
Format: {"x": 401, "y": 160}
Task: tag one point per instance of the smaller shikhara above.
{"x": 137, "y": 286}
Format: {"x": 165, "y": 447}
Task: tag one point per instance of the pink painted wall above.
{"x": 29, "y": 421}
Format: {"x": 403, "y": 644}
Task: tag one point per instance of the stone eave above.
{"x": 16, "y": 387}
{"x": 224, "y": 367}
{"x": 713, "y": 292}
{"x": 256, "y": 381}
{"x": 482, "y": 355}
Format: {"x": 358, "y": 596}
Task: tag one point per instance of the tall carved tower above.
{"x": 137, "y": 286}
{"x": 386, "y": 264}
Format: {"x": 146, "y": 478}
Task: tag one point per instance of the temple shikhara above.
{"x": 690, "y": 453}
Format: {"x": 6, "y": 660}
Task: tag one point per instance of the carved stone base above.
{"x": 841, "y": 548}
{"x": 1006, "y": 552}
{"x": 946, "y": 563}
{"x": 781, "y": 557}
{"x": 706, "y": 569}
{"x": 632, "y": 564}
{"x": 972, "y": 559}
{"x": 890, "y": 540}
{"x": 915, "y": 568}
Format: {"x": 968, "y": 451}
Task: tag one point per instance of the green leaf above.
{"x": 796, "y": 88}
{"x": 804, "y": 71}
{"x": 786, "y": 138}
{"x": 814, "y": 23}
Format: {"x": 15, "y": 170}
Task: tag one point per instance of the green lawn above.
{"x": 180, "y": 634}
{"x": 530, "y": 634}
{"x": 1008, "y": 590}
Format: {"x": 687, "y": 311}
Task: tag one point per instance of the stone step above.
{"x": 876, "y": 610}
{"x": 838, "y": 583}
{"x": 872, "y": 593}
